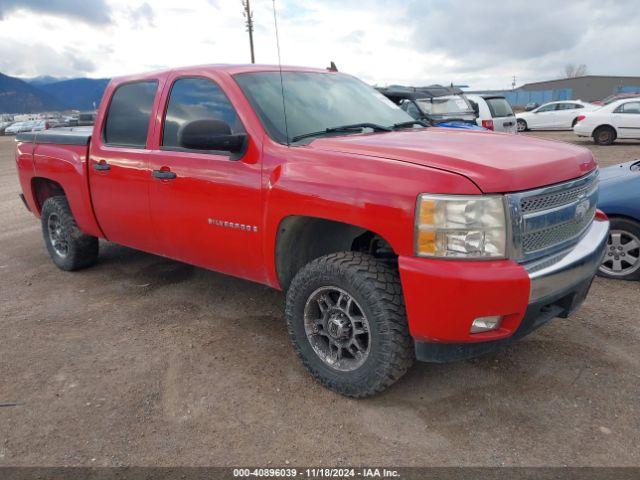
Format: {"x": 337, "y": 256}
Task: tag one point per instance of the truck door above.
{"x": 626, "y": 119}
{"x": 206, "y": 207}
{"x": 119, "y": 174}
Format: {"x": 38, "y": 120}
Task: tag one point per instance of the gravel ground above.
{"x": 145, "y": 361}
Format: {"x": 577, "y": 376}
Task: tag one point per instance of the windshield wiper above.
{"x": 410, "y": 123}
{"x": 355, "y": 127}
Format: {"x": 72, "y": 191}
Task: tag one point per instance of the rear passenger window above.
{"x": 129, "y": 114}
{"x": 631, "y": 107}
{"x": 196, "y": 99}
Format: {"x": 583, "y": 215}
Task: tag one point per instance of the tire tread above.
{"x": 83, "y": 248}
{"x": 397, "y": 353}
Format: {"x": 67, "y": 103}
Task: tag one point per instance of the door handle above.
{"x": 164, "y": 174}
{"x": 101, "y": 166}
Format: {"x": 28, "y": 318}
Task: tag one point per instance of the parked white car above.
{"x": 553, "y": 115}
{"x": 19, "y": 127}
{"x": 494, "y": 113}
{"x": 619, "y": 119}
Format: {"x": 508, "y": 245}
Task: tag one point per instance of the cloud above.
{"x": 417, "y": 42}
{"x": 91, "y": 11}
{"x": 33, "y": 60}
{"x": 142, "y": 15}
{"x": 486, "y": 32}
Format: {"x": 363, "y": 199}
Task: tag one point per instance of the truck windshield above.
{"x": 315, "y": 102}
{"x": 445, "y": 105}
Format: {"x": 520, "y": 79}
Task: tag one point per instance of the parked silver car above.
{"x": 19, "y": 127}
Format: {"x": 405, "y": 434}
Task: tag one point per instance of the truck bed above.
{"x": 58, "y": 136}
{"x": 54, "y": 162}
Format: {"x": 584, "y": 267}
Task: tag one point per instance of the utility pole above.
{"x": 248, "y": 14}
{"x": 513, "y": 83}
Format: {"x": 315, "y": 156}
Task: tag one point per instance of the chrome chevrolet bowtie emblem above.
{"x": 581, "y": 210}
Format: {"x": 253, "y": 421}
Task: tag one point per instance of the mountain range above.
{"x": 41, "y": 94}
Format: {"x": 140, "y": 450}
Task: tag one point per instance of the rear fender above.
{"x": 66, "y": 165}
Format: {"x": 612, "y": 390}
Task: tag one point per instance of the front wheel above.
{"x": 69, "y": 248}
{"x": 521, "y": 125}
{"x": 622, "y": 259}
{"x": 346, "y": 319}
{"x": 604, "y": 136}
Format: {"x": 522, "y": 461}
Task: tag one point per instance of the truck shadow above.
{"x": 226, "y": 310}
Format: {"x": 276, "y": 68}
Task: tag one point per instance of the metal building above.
{"x": 588, "y": 88}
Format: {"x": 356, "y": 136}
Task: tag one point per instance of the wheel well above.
{"x": 617, "y": 216}
{"x": 43, "y": 188}
{"x": 302, "y": 239}
{"x": 606, "y": 125}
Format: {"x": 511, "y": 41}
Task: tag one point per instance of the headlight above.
{"x": 460, "y": 226}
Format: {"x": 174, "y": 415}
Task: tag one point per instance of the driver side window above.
{"x": 196, "y": 99}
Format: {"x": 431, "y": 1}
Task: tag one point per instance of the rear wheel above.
{"x": 69, "y": 248}
{"x": 604, "y": 135}
{"x": 622, "y": 259}
{"x": 346, "y": 319}
{"x": 521, "y": 125}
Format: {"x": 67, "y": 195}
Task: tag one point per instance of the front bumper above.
{"x": 444, "y": 297}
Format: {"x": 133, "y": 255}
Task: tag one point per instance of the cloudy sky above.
{"x": 479, "y": 43}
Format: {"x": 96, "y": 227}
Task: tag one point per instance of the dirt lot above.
{"x": 145, "y": 361}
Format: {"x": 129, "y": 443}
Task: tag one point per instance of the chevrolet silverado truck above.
{"x": 392, "y": 240}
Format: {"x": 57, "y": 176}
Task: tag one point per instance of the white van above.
{"x": 494, "y": 113}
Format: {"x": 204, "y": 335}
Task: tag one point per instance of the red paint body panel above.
{"x": 121, "y": 194}
{"x": 496, "y": 162}
{"x": 188, "y": 213}
{"x": 352, "y": 189}
{"x": 443, "y": 297}
{"x": 371, "y": 181}
{"x": 26, "y": 173}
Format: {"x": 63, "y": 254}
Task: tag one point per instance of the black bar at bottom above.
{"x": 318, "y": 472}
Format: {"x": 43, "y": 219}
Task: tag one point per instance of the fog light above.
{"x": 484, "y": 324}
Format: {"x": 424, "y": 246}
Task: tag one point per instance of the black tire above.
{"x": 69, "y": 248}
{"x": 604, "y": 135}
{"x": 629, "y": 231}
{"x": 521, "y": 125}
{"x": 375, "y": 289}
{"x": 575, "y": 120}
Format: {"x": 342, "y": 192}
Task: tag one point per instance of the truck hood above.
{"x": 495, "y": 162}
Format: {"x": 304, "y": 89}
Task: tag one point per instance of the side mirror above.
{"x": 209, "y": 134}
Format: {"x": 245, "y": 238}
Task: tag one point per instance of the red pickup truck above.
{"x": 393, "y": 240}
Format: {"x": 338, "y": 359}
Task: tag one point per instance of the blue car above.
{"x": 619, "y": 198}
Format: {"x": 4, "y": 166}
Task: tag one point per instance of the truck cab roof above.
{"x": 230, "y": 69}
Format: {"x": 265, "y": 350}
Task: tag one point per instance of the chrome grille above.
{"x": 557, "y": 234}
{"x": 547, "y": 220}
{"x": 545, "y": 202}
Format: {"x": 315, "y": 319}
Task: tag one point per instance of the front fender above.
{"x": 371, "y": 193}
